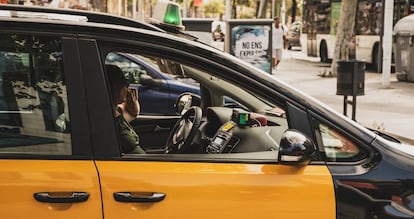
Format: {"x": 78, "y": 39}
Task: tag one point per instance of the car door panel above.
{"x": 21, "y": 179}
{"x": 217, "y": 190}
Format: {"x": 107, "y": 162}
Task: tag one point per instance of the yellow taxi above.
{"x": 249, "y": 146}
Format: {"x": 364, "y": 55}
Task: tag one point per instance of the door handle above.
{"x": 139, "y": 196}
{"x": 61, "y": 197}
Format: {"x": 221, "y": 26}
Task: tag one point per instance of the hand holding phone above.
{"x": 131, "y": 103}
{"x": 132, "y": 94}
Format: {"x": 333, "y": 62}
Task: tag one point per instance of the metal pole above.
{"x": 134, "y": 9}
{"x": 119, "y": 6}
{"x": 261, "y": 8}
{"x": 345, "y": 104}
{"x": 141, "y": 10}
{"x": 387, "y": 42}
{"x": 227, "y": 17}
{"x": 184, "y": 8}
{"x": 283, "y": 20}
{"x": 228, "y": 10}
{"x": 354, "y": 89}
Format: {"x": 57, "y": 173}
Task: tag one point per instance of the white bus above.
{"x": 320, "y": 19}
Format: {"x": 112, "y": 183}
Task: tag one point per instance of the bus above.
{"x": 320, "y": 20}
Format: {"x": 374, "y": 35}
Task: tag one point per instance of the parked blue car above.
{"x": 158, "y": 91}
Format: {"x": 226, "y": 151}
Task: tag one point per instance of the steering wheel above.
{"x": 184, "y": 131}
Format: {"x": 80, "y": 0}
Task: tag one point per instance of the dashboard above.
{"x": 239, "y": 131}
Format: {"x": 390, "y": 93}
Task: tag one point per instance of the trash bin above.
{"x": 350, "y": 80}
{"x": 404, "y": 48}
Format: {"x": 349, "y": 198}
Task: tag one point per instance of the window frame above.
{"x": 142, "y": 48}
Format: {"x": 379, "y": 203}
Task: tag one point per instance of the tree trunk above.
{"x": 294, "y": 6}
{"x": 234, "y": 9}
{"x": 261, "y": 13}
{"x": 344, "y": 33}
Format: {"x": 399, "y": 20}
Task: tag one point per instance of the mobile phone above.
{"x": 133, "y": 91}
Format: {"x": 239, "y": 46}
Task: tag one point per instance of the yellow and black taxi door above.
{"x": 194, "y": 185}
{"x": 135, "y": 188}
{"x": 46, "y": 166}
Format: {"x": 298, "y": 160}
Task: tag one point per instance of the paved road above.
{"x": 390, "y": 109}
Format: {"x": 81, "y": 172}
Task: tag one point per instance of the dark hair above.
{"x": 115, "y": 75}
{"x": 116, "y": 79}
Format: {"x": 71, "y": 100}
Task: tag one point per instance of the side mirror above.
{"x": 295, "y": 148}
{"x": 147, "y": 80}
{"x": 185, "y": 101}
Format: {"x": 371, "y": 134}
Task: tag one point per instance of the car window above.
{"x": 132, "y": 69}
{"x": 234, "y": 123}
{"x": 337, "y": 147}
{"x": 158, "y": 81}
{"x": 34, "y": 117}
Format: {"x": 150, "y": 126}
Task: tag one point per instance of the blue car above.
{"x": 158, "y": 91}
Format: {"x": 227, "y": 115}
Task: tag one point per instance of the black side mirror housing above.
{"x": 185, "y": 101}
{"x": 295, "y": 148}
{"x": 147, "y": 80}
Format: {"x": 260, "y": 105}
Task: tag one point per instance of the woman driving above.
{"x": 126, "y": 108}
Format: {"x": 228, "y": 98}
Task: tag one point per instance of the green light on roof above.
{"x": 172, "y": 15}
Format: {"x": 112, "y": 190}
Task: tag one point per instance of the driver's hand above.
{"x": 131, "y": 102}
{"x": 132, "y": 95}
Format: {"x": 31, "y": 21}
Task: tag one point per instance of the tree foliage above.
{"x": 235, "y": 13}
{"x": 214, "y": 8}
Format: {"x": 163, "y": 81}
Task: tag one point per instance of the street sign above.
{"x": 251, "y": 41}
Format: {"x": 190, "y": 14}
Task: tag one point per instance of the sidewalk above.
{"x": 390, "y": 109}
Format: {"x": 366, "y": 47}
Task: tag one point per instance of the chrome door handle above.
{"x": 139, "y": 196}
{"x": 61, "y": 197}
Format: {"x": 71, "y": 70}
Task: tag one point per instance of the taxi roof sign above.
{"x": 167, "y": 13}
